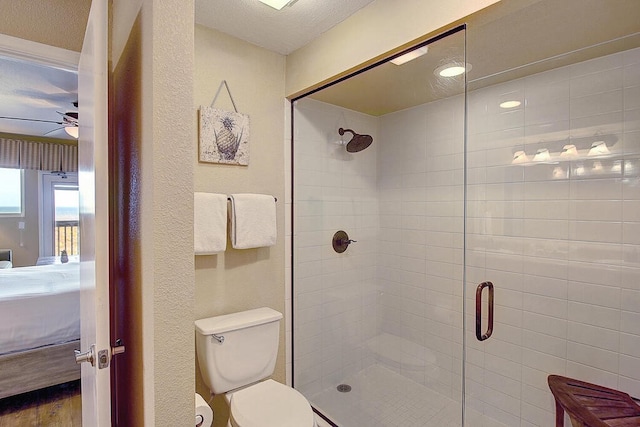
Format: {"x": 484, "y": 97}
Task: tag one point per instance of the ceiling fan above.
{"x": 68, "y": 122}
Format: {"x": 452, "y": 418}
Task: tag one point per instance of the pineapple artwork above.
{"x": 224, "y": 136}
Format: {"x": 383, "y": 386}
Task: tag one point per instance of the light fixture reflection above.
{"x": 542, "y": 155}
{"x": 616, "y": 167}
{"x": 452, "y": 69}
{"x": 72, "y": 131}
{"x": 510, "y": 104}
{"x": 569, "y": 151}
{"x": 519, "y": 157}
{"x": 559, "y": 173}
{"x": 599, "y": 148}
{"x": 596, "y": 167}
{"x": 410, "y": 56}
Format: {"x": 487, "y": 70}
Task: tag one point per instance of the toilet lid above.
{"x": 270, "y": 404}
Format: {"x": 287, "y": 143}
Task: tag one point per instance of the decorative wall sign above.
{"x": 224, "y": 135}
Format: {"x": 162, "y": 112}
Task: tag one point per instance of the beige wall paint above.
{"x": 10, "y": 234}
{"x": 59, "y": 23}
{"x": 166, "y": 191}
{"x": 372, "y": 31}
{"x": 239, "y": 280}
{"x": 169, "y": 207}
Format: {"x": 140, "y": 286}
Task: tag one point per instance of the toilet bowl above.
{"x": 269, "y": 404}
{"x": 237, "y": 353}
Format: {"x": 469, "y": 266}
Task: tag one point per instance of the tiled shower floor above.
{"x": 381, "y": 398}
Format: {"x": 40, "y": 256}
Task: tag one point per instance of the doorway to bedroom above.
{"x": 39, "y": 242}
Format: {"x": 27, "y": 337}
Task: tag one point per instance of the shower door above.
{"x": 553, "y": 209}
{"x": 378, "y": 234}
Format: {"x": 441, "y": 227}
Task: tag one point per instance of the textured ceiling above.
{"x": 59, "y": 23}
{"x": 281, "y": 31}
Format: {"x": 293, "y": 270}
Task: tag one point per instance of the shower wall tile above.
{"x": 603, "y": 338}
{"x": 538, "y": 416}
{"x": 592, "y": 356}
{"x": 598, "y": 103}
{"x": 594, "y": 375}
{"x": 630, "y": 300}
{"x": 631, "y": 385}
{"x": 597, "y": 82}
{"x": 599, "y": 295}
{"x": 334, "y": 190}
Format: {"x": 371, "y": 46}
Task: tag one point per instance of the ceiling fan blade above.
{"x": 30, "y": 120}
{"x": 52, "y": 131}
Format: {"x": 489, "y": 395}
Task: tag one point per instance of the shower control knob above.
{"x": 341, "y": 241}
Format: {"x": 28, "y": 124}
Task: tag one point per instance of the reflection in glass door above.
{"x": 552, "y": 210}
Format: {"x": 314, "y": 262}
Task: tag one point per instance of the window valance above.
{"x": 21, "y": 154}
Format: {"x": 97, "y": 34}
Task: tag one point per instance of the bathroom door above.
{"x": 94, "y": 224}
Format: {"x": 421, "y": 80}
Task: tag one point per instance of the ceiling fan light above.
{"x": 72, "y": 131}
{"x": 276, "y": 4}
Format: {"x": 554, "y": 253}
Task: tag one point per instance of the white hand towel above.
{"x": 209, "y": 223}
{"x": 253, "y": 221}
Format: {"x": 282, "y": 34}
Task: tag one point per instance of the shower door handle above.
{"x": 479, "y": 335}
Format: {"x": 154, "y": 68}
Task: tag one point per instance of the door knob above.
{"x": 87, "y": 356}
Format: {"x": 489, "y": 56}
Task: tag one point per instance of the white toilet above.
{"x": 236, "y": 352}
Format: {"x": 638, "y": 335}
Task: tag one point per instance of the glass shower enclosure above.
{"x": 459, "y": 238}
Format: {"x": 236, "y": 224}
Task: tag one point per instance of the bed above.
{"x": 39, "y": 327}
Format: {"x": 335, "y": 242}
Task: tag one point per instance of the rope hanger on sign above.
{"x": 224, "y": 82}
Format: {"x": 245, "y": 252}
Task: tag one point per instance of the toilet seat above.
{"x": 270, "y": 404}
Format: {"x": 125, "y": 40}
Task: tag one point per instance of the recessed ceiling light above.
{"x": 510, "y": 104}
{"x": 276, "y": 4}
{"x": 410, "y": 56}
{"x": 452, "y": 69}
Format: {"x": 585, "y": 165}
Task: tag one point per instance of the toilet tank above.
{"x": 243, "y": 351}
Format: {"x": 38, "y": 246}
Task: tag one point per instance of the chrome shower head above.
{"x": 357, "y": 142}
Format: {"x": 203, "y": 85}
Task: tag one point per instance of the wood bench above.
{"x": 591, "y": 405}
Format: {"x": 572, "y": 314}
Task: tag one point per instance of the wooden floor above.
{"x": 59, "y": 405}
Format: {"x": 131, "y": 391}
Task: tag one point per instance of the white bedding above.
{"x": 39, "y": 306}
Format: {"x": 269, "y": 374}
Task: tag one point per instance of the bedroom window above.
{"x": 11, "y": 192}
{"x": 60, "y": 215}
